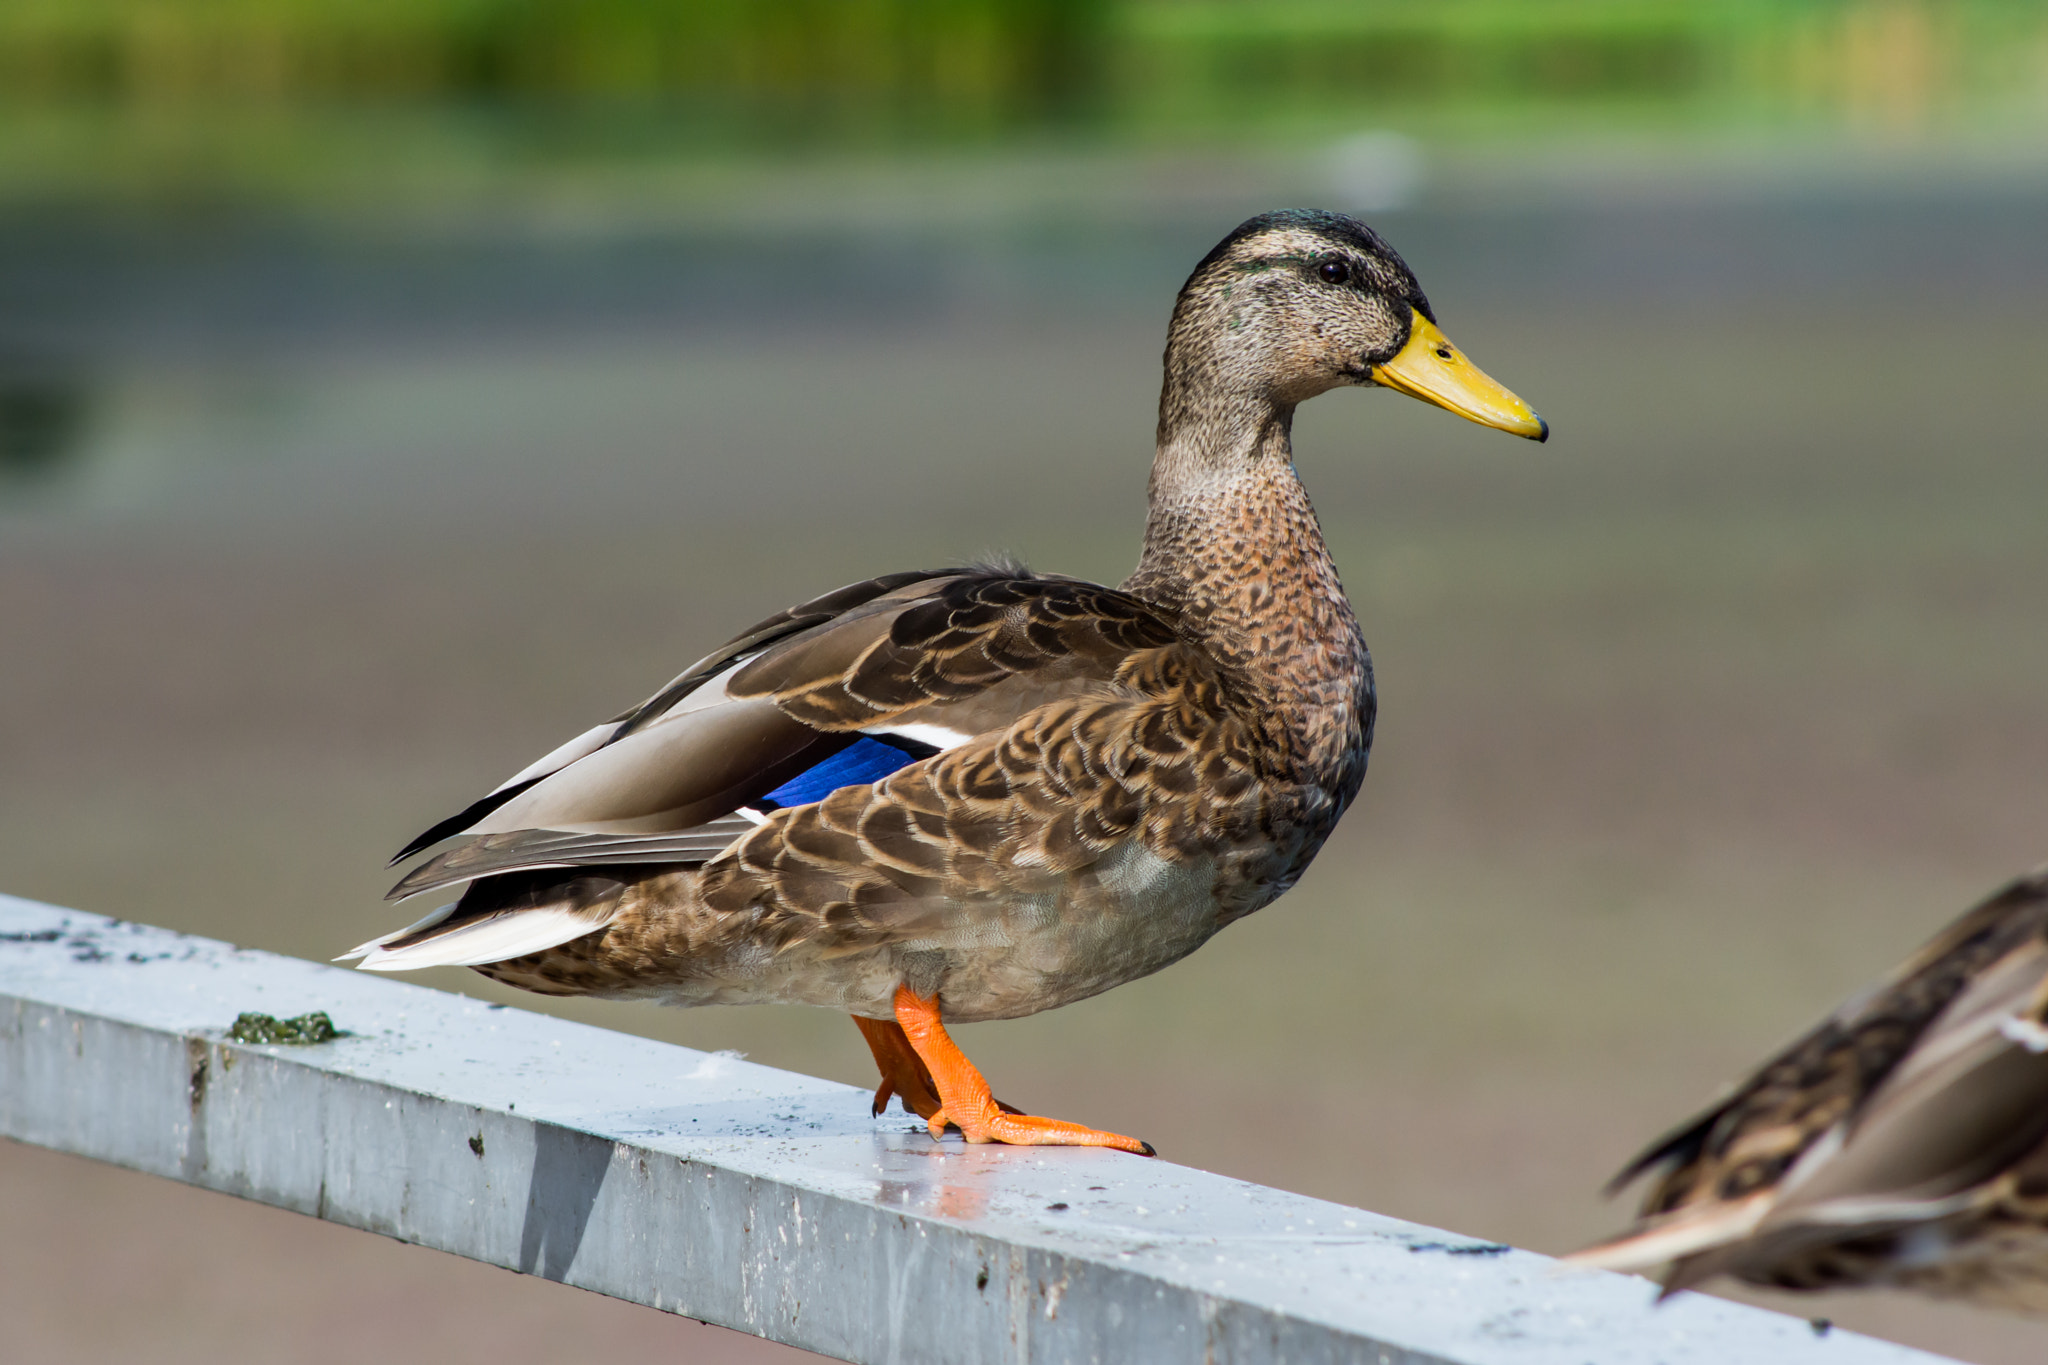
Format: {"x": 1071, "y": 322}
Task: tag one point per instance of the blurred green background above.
{"x": 373, "y": 106}
{"x": 388, "y": 389}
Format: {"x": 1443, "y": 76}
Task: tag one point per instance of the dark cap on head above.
{"x": 1389, "y": 273}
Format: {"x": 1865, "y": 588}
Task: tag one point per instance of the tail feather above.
{"x": 426, "y": 922}
{"x": 1679, "y": 1237}
{"x": 501, "y": 918}
{"x": 495, "y": 937}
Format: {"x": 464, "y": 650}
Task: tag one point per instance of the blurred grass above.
{"x": 1514, "y": 65}
{"x": 179, "y": 101}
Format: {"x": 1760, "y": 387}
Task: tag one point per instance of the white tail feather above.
{"x": 498, "y": 938}
{"x": 428, "y": 922}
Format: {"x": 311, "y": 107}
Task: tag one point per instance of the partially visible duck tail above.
{"x": 501, "y": 918}
{"x": 1679, "y": 1241}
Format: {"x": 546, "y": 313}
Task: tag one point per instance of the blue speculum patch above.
{"x": 865, "y": 760}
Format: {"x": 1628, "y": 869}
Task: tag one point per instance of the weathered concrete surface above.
{"x": 757, "y": 1198}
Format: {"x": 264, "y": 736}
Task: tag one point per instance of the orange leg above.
{"x": 965, "y": 1096}
{"x": 902, "y": 1071}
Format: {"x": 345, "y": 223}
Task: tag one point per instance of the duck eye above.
{"x": 1334, "y": 272}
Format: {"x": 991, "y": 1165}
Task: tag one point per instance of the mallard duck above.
{"x": 978, "y": 793}
{"x": 1903, "y": 1142}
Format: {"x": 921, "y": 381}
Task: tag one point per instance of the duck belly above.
{"x": 1130, "y": 914}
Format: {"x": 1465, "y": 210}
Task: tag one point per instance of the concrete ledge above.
{"x": 756, "y": 1198}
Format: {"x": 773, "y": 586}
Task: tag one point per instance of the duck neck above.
{"x": 1233, "y": 546}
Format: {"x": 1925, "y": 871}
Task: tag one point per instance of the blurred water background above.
{"x": 389, "y": 388}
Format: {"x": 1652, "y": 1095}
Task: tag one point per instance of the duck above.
{"x": 1901, "y": 1143}
{"x": 980, "y": 792}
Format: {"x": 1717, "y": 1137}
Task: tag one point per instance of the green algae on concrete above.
{"x": 251, "y": 1027}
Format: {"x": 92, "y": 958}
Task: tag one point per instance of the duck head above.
{"x": 1295, "y": 303}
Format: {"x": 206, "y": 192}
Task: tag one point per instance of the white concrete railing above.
{"x": 756, "y": 1198}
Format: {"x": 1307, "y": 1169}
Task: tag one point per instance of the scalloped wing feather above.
{"x": 937, "y": 658}
{"x": 1009, "y": 817}
{"x": 963, "y": 639}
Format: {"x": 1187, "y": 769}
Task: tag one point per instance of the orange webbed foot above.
{"x": 963, "y": 1093}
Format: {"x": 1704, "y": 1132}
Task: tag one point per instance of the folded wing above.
{"x": 837, "y": 692}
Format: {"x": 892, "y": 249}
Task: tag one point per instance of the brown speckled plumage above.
{"x": 1096, "y": 779}
{"x": 1903, "y": 1142}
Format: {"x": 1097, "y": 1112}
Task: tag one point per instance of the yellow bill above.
{"x": 1432, "y": 369}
